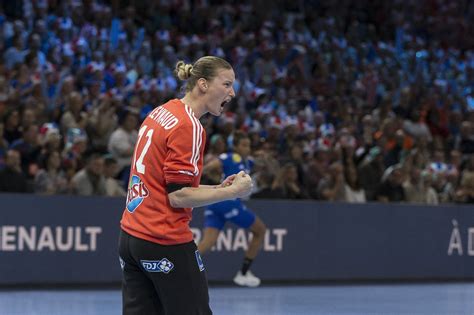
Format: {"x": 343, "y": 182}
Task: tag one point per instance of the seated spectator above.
{"x": 331, "y": 187}
{"x": 297, "y": 159}
{"x": 217, "y": 146}
{"x": 429, "y": 193}
{"x": 3, "y": 146}
{"x": 413, "y": 187}
{"x": 11, "y": 128}
{"x": 102, "y": 123}
{"x": 122, "y": 143}
{"x": 317, "y": 167}
{"x": 465, "y": 191}
{"x": 416, "y": 127}
{"x": 75, "y": 148}
{"x": 353, "y": 191}
{"x": 15, "y": 54}
{"x": 75, "y": 115}
{"x": 465, "y": 141}
{"x": 29, "y": 149}
{"x": 286, "y": 183}
{"x": 266, "y": 189}
{"x": 51, "y": 179}
{"x": 370, "y": 172}
{"x": 447, "y": 192}
{"x": 113, "y": 187}
{"x": 90, "y": 180}
{"x": 265, "y": 168}
{"x": 50, "y": 141}
{"x": 12, "y": 178}
{"x": 391, "y": 190}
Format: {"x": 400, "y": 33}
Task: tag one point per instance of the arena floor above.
{"x": 413, "y": 299}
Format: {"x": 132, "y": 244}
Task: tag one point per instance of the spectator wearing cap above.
{"x": 90, "y": 180}
{"x": 122, "y": 142}
{"x": 51, "y": 179}
{"x": 113, "y": 187}
{"x": 12, "y": 178}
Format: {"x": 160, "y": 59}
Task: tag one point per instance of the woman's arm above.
{"x": 236, "y": 186}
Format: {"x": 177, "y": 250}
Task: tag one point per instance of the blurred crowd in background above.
{"x": 353, "y": 101}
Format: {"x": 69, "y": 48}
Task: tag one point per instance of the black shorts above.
{"x": 162, "y": 279}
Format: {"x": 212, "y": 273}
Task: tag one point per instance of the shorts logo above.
{"x": 163, "y": 265}
{"x": 137, "y": 191}
{"x": 233, "y": 213}
{"x": 122, "y": 263}
{"x": 199, "y": 260}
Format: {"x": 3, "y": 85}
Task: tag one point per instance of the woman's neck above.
{"x": 196, "y": 104}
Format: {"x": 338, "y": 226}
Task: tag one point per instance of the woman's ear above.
{"x": 202, "y": 84}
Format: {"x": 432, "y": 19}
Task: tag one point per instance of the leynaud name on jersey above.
{"x": 137, "y": 191}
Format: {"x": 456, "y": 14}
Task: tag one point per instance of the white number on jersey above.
{"x": 138, "y": 164}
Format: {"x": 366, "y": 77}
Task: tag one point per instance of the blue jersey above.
{"x": 232, "y": 163}
{"x": 216, "y": 215}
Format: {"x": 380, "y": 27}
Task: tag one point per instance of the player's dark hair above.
{"x": 239, "y": 136}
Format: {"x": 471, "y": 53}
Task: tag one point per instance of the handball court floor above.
{"x": 366, "y": 299}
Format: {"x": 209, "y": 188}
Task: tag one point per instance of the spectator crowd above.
{"x": 344, "y": 100}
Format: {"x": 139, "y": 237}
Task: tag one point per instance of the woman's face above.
{"x": 220, "y": 91}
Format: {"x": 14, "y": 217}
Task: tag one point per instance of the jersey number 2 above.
{"x": 138, "y": 164}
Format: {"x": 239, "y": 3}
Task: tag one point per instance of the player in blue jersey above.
{"x": 235, "y": 211}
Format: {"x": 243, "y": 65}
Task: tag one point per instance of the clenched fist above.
{"x": 242, "y": 185}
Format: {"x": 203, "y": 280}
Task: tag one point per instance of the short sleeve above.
{"x": 184, "y": 149}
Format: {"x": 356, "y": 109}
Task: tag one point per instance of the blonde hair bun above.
{"x": 183, "y": 70}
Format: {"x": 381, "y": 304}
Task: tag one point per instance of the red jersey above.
{"x": 169, "y": 149}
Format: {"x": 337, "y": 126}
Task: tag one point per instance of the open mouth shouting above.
{"x": 223, "y": 104}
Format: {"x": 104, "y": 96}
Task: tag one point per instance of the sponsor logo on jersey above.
{"x": 137, "y": 191}
{"x": 236, "y": 158}
{"x": 163, "y": 265}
